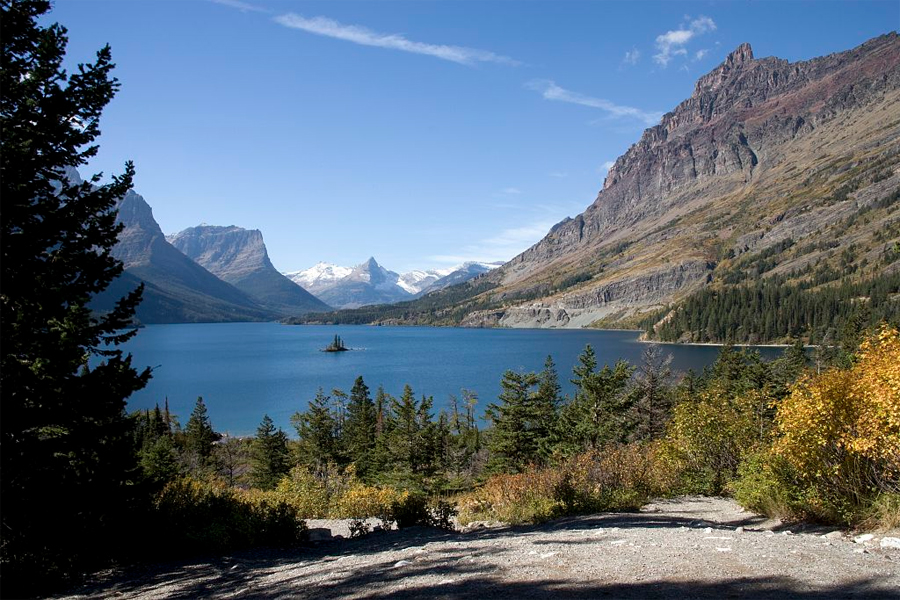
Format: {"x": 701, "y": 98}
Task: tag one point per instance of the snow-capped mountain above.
{"x": 459, "y": 274}
{"x": 370, "y": 283}
{"x": 319, "y": 277}
{"x": 416, "y": 281}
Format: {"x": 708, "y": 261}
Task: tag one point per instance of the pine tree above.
{"x": 404, "y": 436}
{"x": 199, "y": 438}
{"x": 384, "y": 424}
{"x": 64, "y": 430}
{"x": 270, "y": 457}
{"x": 317, "y": 430}
{"x": 513, "y": 444}
{"x": 652, "y": 396}
{"x": 596, "y": 414}
{"x": 546, "y": 409}
{"x": 359, "y": 430}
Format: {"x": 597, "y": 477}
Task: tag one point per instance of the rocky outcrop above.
{"x": 239, "y": 256}
{"x": 176, "y": 288}
{"x": 750, "y": 159}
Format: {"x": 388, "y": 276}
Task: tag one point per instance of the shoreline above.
{"x": 638, "y": 331}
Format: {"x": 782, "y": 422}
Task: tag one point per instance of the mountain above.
{"x": 771, "y": 174}
{"x": 416, "y": 281}
{"x": 239, "y": 257}
{"x": 764, "y": 151}
{"x": 177, "y": 289}
{"x": 459, "y": 274}
{"x": 319, "y": 277}
{"x": 364, "y": 284}
{"x": 370, "y": 283}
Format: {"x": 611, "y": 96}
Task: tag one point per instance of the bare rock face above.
{"x": 239, "y": 256}
{"x": 717, "y": 172}
{"x": 176, "y": 288}
{"x": 231, "y": 253}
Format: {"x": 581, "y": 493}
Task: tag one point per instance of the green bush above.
{"x": 195, "y": 517}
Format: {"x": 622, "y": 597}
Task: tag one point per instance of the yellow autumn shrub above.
{"x": 618, "y": 477}
{"x": 840, "y": 431}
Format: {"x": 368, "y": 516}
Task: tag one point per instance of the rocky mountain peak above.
{"x": 740, "y": 58}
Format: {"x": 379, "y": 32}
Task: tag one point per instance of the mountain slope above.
{"x": 770, "y": 169}
{"x": 177, "y": 289}
{"x": 239, "y": 257}
{"x": 367, "y": 283}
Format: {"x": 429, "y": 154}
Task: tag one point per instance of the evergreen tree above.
{"x": 270, "y": 457}
{"x": 384, "y": 422}
{"x": 652, "y": 399}
{"x": 199, "y": 438}
{"x": 317, "y": 430}
{"x": 513, "y": 444}
{"x": 404, "y": 436}
{"x": 428, "y": 438}
{"x": 359, "y": 430}
{"x": 64, "y": 430}
{"x": 596, "y": 415}
{"x": 545, "y": 415}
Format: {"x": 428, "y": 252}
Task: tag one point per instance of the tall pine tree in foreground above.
{"x": 270, "y": 457}
{"x": 65, "y": 447}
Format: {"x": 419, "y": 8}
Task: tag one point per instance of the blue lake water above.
{"x": 246, "y": 370}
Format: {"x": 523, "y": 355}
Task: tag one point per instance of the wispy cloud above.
{"x": 700, "y": 54}
{"x": 242, "y": 6}
{"x": 605, "y": 167}
{"x": 366, "y": 37}
{"x": 511, "y": 191}
{"x": 501, "y": 247}
{"x": 550, "y": 91}
{"x": 672, "y": 43}
{"x": 632, "y": 57}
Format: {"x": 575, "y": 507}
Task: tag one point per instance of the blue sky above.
{"x": 422, "y": 133}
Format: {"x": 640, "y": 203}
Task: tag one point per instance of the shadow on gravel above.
{"x": 460, "y": 569}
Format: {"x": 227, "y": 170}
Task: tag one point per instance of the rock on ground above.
{"x": 684, "y": 548}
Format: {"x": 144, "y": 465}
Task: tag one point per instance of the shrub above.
{"x": 620, "y": 477}
{"x": 308, "y": 494}
{"x": 840, "y": 431}
{"x": 767, "y": 484}
{"x": 194, "y": 517}
{"x": 708, "y": 437}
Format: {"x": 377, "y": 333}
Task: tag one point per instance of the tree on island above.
{"x": 337, "y": 345}
{"x": 65, "y": 442}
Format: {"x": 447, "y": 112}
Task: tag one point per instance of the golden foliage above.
{"x": 618, "y": 477}
{"x": 847, "y": 415}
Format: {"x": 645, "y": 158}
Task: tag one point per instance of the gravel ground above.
{"x": 684, "y": 548}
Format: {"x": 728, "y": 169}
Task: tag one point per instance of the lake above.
{"x": 246, "y": 370}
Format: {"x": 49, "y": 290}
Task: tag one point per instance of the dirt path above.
{"x": 683, "y": 548}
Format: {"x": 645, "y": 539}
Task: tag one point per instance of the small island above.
{"x": 337, "y": 345}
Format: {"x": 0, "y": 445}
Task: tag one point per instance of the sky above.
{"x": 422, "y": 133}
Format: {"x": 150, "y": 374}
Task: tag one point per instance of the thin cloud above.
{"x": 605, "y": 167}
{"x": 632, "y": 57}
{"x": 671, "y": 43}
{"x": 501, "y": 247}
{"x": 511, "y": 191}
{"x": 550, "y": 91}
{"x": 242, "y": 6}
{"x": 366, "y": 37}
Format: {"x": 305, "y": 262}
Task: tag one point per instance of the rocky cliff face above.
{"x": 239, "y": 256}
{"x": 177, "y": 289}
{"x": 760, "y": 142}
